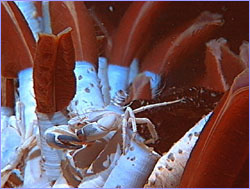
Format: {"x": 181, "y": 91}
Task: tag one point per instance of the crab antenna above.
{"x": 143, "y": 108}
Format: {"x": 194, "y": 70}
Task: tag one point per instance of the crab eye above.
{"x": 80, "y": 134}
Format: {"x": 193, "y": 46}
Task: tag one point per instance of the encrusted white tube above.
{"x": 50, "y": 156}
{"x": 133, "y": 70}
{"x": 133, "y": 168}
{"x": 103, "y": 76}
{"x": 88, "y": 93}
{"x": 118, "y": 78}
{"x": 27, "y": 97}
{"x": 169, "y": 169}
{"x": 154, "y": 81}
{"x": 29, "y": 12}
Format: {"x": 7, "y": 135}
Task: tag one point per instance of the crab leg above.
{"x": 61, "y": 137}
{"x": 143, "y": 108}
{"x": 151, "y": 129}
{"x": 93, "y": 131}
{"x": 99, "y": 171}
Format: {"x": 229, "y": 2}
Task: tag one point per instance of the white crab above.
{"x": 96, "y": 124}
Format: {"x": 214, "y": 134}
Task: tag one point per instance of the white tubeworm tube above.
{"x": 61, "y": 183}
{"x": 8, "y": 149}
{"x": 6, "y": 112}
{"x": 19, "y": 152}
{"x": 27, "y": 97}
{"x": 33, "y": 176}
{"x": 29, "y": 12}
{"x": 20, "y": 120}
{"x": 51, "y": 157}
{"x": 133, "y": 70}
{"x": 155, "y": 80}
{"x": 133, "y": 168}
{"x": 118, "y": 78}
{"x": 12, "y": 152}
{"x": 46, "y": 17}
{"x": 169, "y": 169}
{"x": 103, "y": 76}
{"x": 88, "y": 93}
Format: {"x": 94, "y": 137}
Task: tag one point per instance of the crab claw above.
{"x": 60, "y": 137}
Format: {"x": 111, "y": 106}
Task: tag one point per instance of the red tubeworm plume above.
{"x": 130, "y": 33}
{"x": 140, "y": 88}
{"x": 223, "y": 144}
{"x": 7, "y": 92}
{"x": 222, "y": 66}
{"x": 54, "y": 55}
{"x": 76, "y": 16}
{"x": 18, "y": 44}
{"x": 172, "y": 51}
